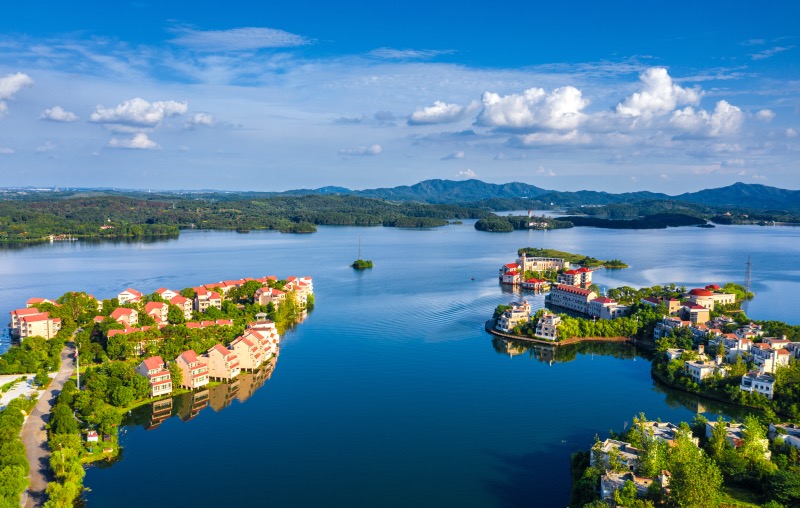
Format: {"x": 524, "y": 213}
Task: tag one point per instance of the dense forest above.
{"x": 114, "y": 216}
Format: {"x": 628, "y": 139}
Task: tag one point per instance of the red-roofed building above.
{"x": 38, "y": 325}
{"x": 185, "y": 304}
{"x": 16, "y": 314}
{"x": 157, "y": 310}
{"x": 222, "y": 363}
{"x": 695, "y": 313}
{"x": 160, "y": 380}
{"x": 249, "y": 353}
{"x": 130, "y": 295}
{"x": 204, "y": 299}
{"x": 195, "y": 371}
{"x": 581, "y": 277}
{"x": 571, "y": 297}
{"x": 606, "y": 308}
{"x": 167, "y": 294}
{"x": 511, "y": 278}
{"x": 32, "y": 302}
{"x": 266, "y": 295}
{"x": 126, "y": 316}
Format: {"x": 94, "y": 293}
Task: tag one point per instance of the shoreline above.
{"x": 489, "y": 327}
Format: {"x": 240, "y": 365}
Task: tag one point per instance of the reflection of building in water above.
{"x": 160, "y": 411}
{"x": 250, "y": 382}
{"x": 511, "y": 347}
{"x": 546, "y": 354}
{"x": 190, "y": 404}
{"x": 222, "y": 395}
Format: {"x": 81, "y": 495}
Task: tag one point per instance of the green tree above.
{"x": 696, "y": 480}
{"x": 176, "y": 374}
{"x": 62, "y": 421}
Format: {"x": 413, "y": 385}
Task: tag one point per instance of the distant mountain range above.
{"x": 738, "y": 195}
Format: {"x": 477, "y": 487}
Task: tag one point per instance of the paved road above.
{"x": 34, "y": 434}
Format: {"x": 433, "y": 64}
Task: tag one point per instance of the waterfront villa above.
{"x": 249, "y": 353}
{"x": 701, "y": 369}
{"x": 519, "y": 313}
{"x": 32, "y": 302}
{"x": 666, "y": 325}
{"x": 769, "y": 359}
{"x": 527, "y": 263}
{"x": 786, "y": 433}
{"x": 755, "y": 381}
{"x": 126, "y": 316}
{"x": 697, "y": 314}
{"x": 511, "y": 278}
{"x": 547, "y": 326}
{"x": 195, "y": 372}
{"x": 571, "y": 297}
{"x": 606, "y": 308}
{"x": 130, "y": 295}
{"x": 166, "y": 294}
{"x": 708, "y": 298}
{"x": 222, "y": 363}
{"x": 611, "y": 482}
{"x": 160, "y": 380}
{"x": 664, "y": 431}
{"x": 534, "y": 284}
{"x": 267, "y": 295}
{"x": 627, "y": 454}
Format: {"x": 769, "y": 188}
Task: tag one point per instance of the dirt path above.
{"x": 34, "y": 435}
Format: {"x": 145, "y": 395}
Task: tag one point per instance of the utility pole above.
{"x": 78, "y": 367}
{"x": 748, "y": 275}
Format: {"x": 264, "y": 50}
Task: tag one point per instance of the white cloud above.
{"x": 791, "y": 133}
{"x": 468, "y": 173}
{"x": 534, "y": 108}
{"x": 458, "y": 154}
{"x": 139, "y": 141}
{"x": 48, "y": 146}
{"x": 201, "y": 119}
{"x": 658, "y": 96}
{"x": 541, "y": 170}
{"x": 765, "y": 115}
{"x": 10, "y": 85}
{"x": 664, "y": 176}
{"x": 726, "y": 119}
{"x": 4, "y": 150}
{"x": 441, "y": 112}
{"x": 362, "y": 150}
{"x": 769, "y": 53}
{"x": 58, "y": 114}
{"x": 137, "y": 114}
{"x": 408, "y": 54}
{"x": 733, "y": 162}
{"x": 238, "y": 39}
{"x": 553, "y": 138}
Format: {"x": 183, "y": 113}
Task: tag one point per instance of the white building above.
{"x": 519, "y": 313}
{"x": 755, "y": 381}
{"x": 571, "y": 297}
{"x": 547, "y": 326}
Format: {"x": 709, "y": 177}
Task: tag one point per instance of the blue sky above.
{"x": 273, "y": 96}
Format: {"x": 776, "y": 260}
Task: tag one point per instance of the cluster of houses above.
{"x": 29, "y": 321}
{"x": 247, "y": 352}
{"x": 628, "y": 457}
{"x": 747, "y": 342}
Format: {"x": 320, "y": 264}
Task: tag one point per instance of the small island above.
{"x": 577, "y": 259}
{"x": 362, "y": 264}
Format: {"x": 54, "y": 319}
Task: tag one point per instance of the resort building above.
{"x": 581, "y": 277}
{"x": 160, "y": 380}
{"x": 126, "y": 316}
{"x": 534, "y": 284}
{"x": 734, "y": 346}
{"x": 527, "y": 263}
{"x": 130, "y": 295}
{"x": 183, "y": 303}
{"x": 606, "y": 308}
{"x": 204, "y": 299}
{"x": 768, "y": 359}
{"x": 699, "y": 370}
{"x": 666, "y": 325}
{"x": 32, "y": 302}
{"x": 222, "y": 363}
{"x": 268, "y": 295}
{"x": 195, "y": 372}
{"x": 519, "y": 313}
{"x": 786, "y": 433}
{"x": 755, "y": 381}
{"x": 693, "y": 312}
{"x": 611, "y": 482}
{"x": 627, "y": 454}
{"x": 249, "y": 353}
{"x": 39, "y": 324}
{"x": 166, "y": 294}
{"x": 303, "y": 287}
{"x": 157, "y": 310}
{"x": 17, "y": 314}
{"x": 708, "y": 298}
{"x": 509, "y": 267}
{"x": 734, "y": 435}
{"x": 547, "y": 326}
{"x": 511, "y": 278}
{"x": 664, "y": 431}
{"x": 571, "y": 297}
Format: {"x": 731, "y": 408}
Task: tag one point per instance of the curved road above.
{"x": 34, "y": 434}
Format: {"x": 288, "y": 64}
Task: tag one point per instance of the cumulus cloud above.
{"x": 200, "y": 119}
{"x": 541, "y": 170}
{"x": 238, "y": 39}
{"x": 137, "y": 114}
{"x": 362, "y": 150}
{"x": 765, "y": 115}
{"x": 441, "y": 112}
{"x": 658, "y": 96}
{"x": 10, "y": 85}
{"x": 459, "y": 154}
{"x": 48, "y": 146}
{"x": 534, "y": 108}
{"x": 139, "y": 141}
{"x": 468, "y": 173}
{"x": 58, "y": 114}
{"x": 726, "y": 119}
{"x": 4, "y": 150}
{"x": 791, "y": 133}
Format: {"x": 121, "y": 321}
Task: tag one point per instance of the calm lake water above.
{"x": 390, "y": 393}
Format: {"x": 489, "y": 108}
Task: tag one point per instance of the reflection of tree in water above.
{"x": 710, "y": 408}
{"x": 561, "y": 354}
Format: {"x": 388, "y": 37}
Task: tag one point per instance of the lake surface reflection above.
{"x": 391, "y": 393}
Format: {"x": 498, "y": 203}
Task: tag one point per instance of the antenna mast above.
{"x": 748, "y": 276}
